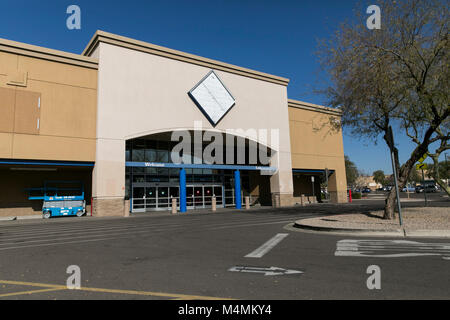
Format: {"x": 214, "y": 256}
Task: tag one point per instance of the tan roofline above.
{"x": 113, "y": 39}
{"x": 47, "y": 54}
{"x": 313, "y": 107}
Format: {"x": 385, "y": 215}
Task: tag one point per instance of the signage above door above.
{"x": 212, "y": 97}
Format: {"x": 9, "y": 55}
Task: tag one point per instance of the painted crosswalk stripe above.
{"x": 390, "y": 248}
{"x": 266, "y": 247}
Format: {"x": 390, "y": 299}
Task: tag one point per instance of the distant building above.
{"x": 367, "y": 181}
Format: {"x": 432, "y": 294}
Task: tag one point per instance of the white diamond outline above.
{"x": 201, "y": 107}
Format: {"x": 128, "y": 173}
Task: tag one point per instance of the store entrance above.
{"x": 158, "y": 196}
{"x": 200, "y": 196}
{"x": 150, "y": 196}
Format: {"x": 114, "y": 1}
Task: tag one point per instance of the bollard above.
{"x": 174, "y": 205}
{"x": 214, "y": 203}
{"x": 350, "y": 195}
{"x": 276, "y": 203}
{"x": 247, "y": 203}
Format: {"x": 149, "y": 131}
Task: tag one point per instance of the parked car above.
{"x": 387, "y": 188}
{"x": 366, "y": 190}
{"x": 427, "y": 188}
{"x": 408, "y": 189}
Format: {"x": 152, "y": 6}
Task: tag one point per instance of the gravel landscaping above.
{"x": 425, "y": 218}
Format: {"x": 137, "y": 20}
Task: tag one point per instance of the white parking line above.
{"x": 266, "y": 247}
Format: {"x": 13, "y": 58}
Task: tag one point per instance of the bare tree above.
{"x": 436, "y": 172}
{"x": 395, "y": 76}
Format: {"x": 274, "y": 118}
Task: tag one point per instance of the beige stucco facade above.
{"x": 60, "y": 106}
{"x": 48, "y": 107}
{"x": 48, "y": 98}
{"x": 316, "y": 143}
{"x": 141, "y": 93}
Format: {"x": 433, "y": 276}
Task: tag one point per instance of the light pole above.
{"x": 446, "y": 167}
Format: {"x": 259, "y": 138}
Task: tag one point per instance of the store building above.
{"x": 141, "y": 124}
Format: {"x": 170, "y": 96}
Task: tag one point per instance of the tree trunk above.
{"x": 436, "y": 175}
{"x": 389, "y": 208}
{"x": 443, "y": 186}
{"x": 405, "y": 170}
{"x": 402, "y": 178}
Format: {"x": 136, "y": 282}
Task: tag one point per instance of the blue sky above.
{"x": 277, "y": 37}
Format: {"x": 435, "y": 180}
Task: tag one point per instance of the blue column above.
{"x": 237, "y": 189}
{"x": 183, "y": 190}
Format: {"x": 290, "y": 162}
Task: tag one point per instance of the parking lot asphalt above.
{"x": 206, "y": 255}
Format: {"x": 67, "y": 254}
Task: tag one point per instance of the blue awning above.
{"x": 46, "y": 163}
{"x": 197, "y": 166}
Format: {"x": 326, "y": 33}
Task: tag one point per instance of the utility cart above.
{"x": 60, "y": 198}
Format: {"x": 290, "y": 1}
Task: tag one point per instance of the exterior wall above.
{"x": 316, "y": 144}
{"x": 14, "y": 198}
{"x": 142, "y": 89}
{"x": 68, "y": 105}
{"x": 48, "y": 104}
{"x": 141, "y": 94}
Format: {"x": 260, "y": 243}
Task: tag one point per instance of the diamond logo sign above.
{"x": 212, "y": 97}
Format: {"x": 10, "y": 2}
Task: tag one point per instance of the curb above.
{"x": 369, "y": 232}
{"x": 20, "y": 218}
{"x": 374, "y": 232}
{"x": 428, "y": 233}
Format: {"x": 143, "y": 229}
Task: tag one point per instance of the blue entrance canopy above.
{"x": 197, "y": 166}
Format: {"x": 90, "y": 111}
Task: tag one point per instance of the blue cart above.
{"x": 60, "y": 198}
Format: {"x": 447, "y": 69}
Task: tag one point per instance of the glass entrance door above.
{"x": 207, "y": 195}
{"x": 138, "y": 204}
{"x": 190, "y": 197}
{"x": 200, "y": 196}
{"x": 218, "y": 193}
{"x": 163, "y": 197}
{"x": 150, "y": 197}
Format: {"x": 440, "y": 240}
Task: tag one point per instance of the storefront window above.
{"x": 151, "y": 151}
{"x": 138, "y": 178}
{"x": 138, "y": 152}
{"x": 163, "y": 174}
{"x": 162, "y": 156}
{"x": 174, "y": 175}
{"x": 127, "y": 187}
{"x": 138, "y": 170}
